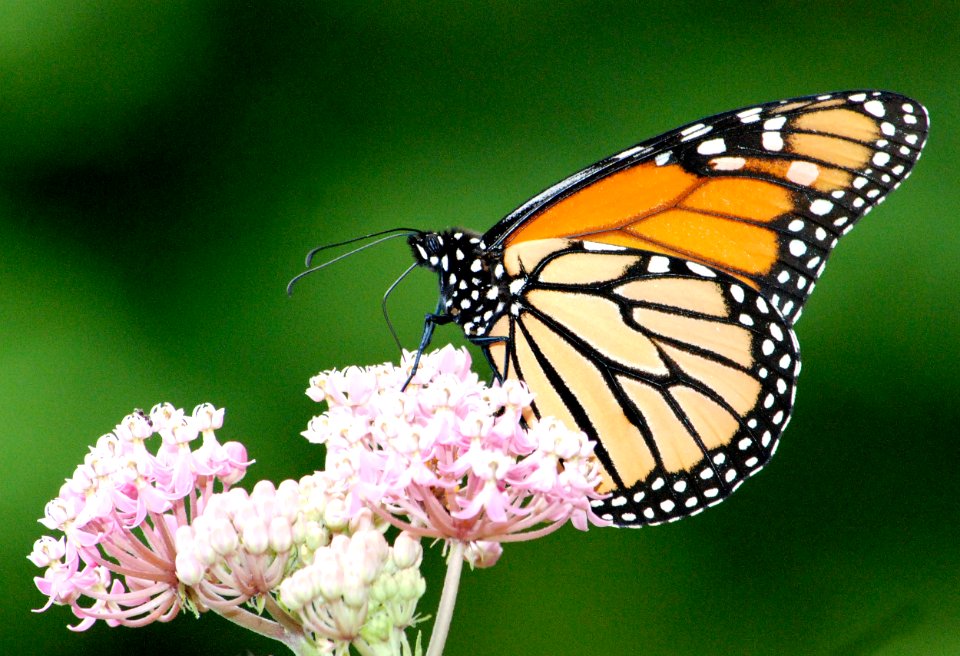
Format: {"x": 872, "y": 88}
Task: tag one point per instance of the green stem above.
{"x": 448, "y": 599}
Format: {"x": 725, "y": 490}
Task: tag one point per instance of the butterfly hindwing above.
{"x": 684, "y": 375}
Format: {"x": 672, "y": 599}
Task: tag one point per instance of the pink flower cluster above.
{"x": 120, "y": 510}
{"x": 449, "y": 457}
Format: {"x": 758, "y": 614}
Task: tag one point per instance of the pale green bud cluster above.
{"x": 358, "y": 591}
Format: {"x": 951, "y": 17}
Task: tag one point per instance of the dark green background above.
{"x": 164, "y": 167}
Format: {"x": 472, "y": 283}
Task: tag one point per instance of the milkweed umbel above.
{"x": 649, "y": 298}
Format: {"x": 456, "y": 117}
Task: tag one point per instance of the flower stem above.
{"x": 448, "y": 598}
{"x": 253, "y": 622}
{"x": 287, "y": 631}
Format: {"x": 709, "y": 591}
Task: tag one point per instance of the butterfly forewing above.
{"x": 762, "y": 193}
{"x": 683, "y": 375}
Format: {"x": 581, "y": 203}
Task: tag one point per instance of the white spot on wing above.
{"x": 658, "y": 264}
{"x": 772, "y": 141}
{"x": 821, "y": 206}
{"x": 875, "y": 107}
{"x": 695, "y": 131}
{"x": 629, "y": 152}
{"x": 701, "y": 270}
{"x": 600, "y": 246}
{"x": 728, "y": 163}
{"x": 737, "y": 292}
{"x": 803, "y": 173}
{"x": 774, "y": 124}
{"x": 712, "y": 147}
{"x": 881, "y": 158}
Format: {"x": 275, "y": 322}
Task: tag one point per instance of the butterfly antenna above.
{"x": 383, "y": 304}
{"x": 402, "y": 231}
{"x": 324, "y": 265}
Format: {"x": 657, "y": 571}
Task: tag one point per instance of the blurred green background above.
{"x": 164, "y": 166}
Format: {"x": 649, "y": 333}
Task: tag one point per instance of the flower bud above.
{"x": 410, "y": 584}
{"x": 296, "y": 591}
{"x": 335, "y": 515}
{"x": 482, "y": 553}
{"x": 223, "y": 537}
{"x": 189, "y": 570}
{"x": 329, "y": 573}
{"x": 377, "y": 631}
{"x": 281, "y": 536}
{"x": 354, "y": 590}
{"x": 316, "y": 536}
{"x": 407, "y": 551}
{"x": 253, "y": 533}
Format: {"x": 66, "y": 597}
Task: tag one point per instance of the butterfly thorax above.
{"x": 473, "y": 285}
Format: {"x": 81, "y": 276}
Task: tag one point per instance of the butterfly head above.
{"x": 473, "y": 286}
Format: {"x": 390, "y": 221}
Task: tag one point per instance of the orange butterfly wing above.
{"x": 762, "y": 193}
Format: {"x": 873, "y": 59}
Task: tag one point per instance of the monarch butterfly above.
{"x": 649, "y": 299}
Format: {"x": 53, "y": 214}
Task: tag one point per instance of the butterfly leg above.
{"x": 502, "y": 371}
{"x": 430, "y": 322}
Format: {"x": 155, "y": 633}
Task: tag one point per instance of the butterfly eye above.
{"x": 432, "y": 243}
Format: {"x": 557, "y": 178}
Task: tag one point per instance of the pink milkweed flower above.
{"x": 119, "y": 513}
{"x": 449, "y": 457}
